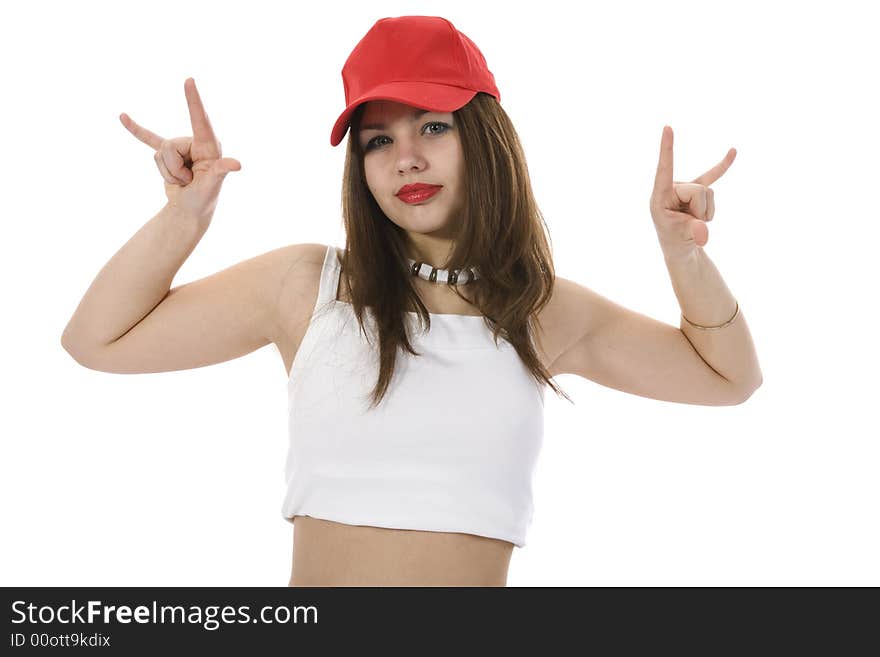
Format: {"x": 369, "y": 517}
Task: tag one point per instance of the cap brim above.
{"x": 424, "y": 95}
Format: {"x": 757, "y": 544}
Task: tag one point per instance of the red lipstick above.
{"x": 417, "y": 192}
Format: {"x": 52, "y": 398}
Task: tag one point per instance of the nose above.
{"x": 408, "y": 156}
{"x": 403, "y": 167}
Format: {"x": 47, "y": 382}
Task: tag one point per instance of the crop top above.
{"x": 452, "y": 447}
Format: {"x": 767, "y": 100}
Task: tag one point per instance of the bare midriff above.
{"x": 327, "y": 553}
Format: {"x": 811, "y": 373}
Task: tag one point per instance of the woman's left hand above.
{"x": 681, "y": 210}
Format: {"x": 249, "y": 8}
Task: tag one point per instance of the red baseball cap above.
{"x": 423, "y": 61}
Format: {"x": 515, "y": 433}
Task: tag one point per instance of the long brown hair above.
{"x": 502, "y": 233}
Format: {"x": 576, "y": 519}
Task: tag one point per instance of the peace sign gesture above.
{"x": 191, "y": 166}
{"x": 681, "y": 210}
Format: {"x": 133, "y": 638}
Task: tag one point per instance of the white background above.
{"x": 177, "y": 478}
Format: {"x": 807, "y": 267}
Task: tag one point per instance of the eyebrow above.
{"x": 381, "y": 126}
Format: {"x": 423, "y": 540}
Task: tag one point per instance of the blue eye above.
{"x": 370, "y": 145}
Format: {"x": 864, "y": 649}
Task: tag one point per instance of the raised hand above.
{"x": 681, "y": 210}
{"x": 192, "y": 167}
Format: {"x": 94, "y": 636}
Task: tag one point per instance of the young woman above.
{"x": 418, "y": 355}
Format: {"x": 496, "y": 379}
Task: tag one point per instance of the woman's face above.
{"x": 404, "y": 145}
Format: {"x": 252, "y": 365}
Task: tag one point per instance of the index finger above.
{"x": 202, "y": 130}
{"x": 663, "y": 178}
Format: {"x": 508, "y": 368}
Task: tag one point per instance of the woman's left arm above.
{"x": 680, "y": 212}
{"x": 705, "y": 300}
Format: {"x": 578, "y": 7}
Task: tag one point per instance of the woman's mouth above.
{"x": 419, "y": 196}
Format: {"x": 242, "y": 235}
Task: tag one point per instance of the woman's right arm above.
{"x": 133, "y": 282}
{"x": 129, "y": 320}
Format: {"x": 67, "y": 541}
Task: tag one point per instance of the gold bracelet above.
{"x": 712, "y": 328}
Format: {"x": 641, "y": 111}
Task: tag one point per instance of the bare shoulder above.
{"x": 298, "y": 290}
{"x": 297, "y": 295}
{"x": 573, "y": 311}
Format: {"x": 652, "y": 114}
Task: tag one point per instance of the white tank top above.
{"x": 452, "y": 447}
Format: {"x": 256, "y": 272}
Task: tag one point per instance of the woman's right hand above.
{"x": 191, "y": 166}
